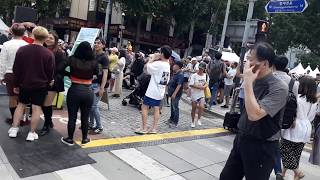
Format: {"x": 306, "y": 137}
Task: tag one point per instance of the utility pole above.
{"x": 225, "y": 24}
{"x": 246, "y": 31}
{"x": 106, "y": 22}
{"x": 245, "y": 36}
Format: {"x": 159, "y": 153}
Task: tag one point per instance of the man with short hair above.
{"x": 175, "y": 87}
{"x": 255, "y": 145}
{"x": 159, "y": 69}
{"x": 7, "y": 56}
{"x": 216, "y": 70}
{"x": 99, "y": 85}
{"x": 228, "y": 83}
{"x": 31, "y": 82}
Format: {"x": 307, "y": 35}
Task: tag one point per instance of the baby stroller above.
{"x": 136, "y": 96}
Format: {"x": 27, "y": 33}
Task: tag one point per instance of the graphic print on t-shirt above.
{"x": 201, "y": 82}
{"x": 165, "y": 78}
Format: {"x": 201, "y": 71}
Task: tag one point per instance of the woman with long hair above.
{"x": 60, "y": 59}
{"x": 119, "y": 75}
{"x": 83, "y": 67}
{"x": 294, "y": 139}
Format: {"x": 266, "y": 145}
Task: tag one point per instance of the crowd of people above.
{"x": 268, "y": 95}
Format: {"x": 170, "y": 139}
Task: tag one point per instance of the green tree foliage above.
{"x": 297, "y": 29}
{"x": 46, "y": 8}
{"x": 309, "y": 58}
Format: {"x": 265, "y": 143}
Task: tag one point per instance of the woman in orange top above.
{"x": 83, "y": 67}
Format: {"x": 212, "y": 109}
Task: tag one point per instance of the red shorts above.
{"x": 9, "y": 80}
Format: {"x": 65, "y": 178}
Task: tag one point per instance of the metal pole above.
{"x": 245, "y": 36}
{"x": 106, "y": 22}
{"x": 225, "y": 24}
{"x": 246, "y": 31}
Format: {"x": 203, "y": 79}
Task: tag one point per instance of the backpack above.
{"x": 290, "y": 110}
{"x": 215, "y": 70}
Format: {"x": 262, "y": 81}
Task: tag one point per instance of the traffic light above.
{"x": 262, "y": 30}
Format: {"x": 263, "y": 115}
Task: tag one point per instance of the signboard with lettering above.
{"x": 86, "y": 34}
{"x": 286, "y": 6}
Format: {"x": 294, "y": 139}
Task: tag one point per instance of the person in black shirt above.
{"x": 60, "y": 59}
{"x": 80, "y": 95}
{"x": 254, "y": 149}
{"x": 99, "y": 85}
{"x": 175, "y": 87}
{"x": 136, "y": 68}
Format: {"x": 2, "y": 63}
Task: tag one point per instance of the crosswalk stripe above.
{"x": 146, "y": 165}
{"x": 84, "y": 172}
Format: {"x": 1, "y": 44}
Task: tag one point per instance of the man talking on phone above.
{"x": 254, "y": 148}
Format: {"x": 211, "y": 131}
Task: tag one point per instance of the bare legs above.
{"x": 36, "y": 110}
{"x": 156, "y": 116}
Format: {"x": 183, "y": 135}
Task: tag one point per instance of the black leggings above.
{"x": 79, "y": 97}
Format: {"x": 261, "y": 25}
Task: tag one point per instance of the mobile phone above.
{"x": 256, "y": 67}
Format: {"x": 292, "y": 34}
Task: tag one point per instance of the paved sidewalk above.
{"x": 201, "y": 159}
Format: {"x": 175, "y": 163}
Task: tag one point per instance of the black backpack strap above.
{"x": 291, "y": 84}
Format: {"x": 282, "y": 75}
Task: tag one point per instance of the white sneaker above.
{"x": 199, "y": 122}
{"x": 193, "y": 125}
{"x": 13, "y": 131}
{"x": 32, "y": 136}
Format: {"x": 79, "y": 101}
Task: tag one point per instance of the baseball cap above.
{"x": 202, "y": 65}
{"x": 114, "y": 49}
{"x": 194, "y": 59}
{"x": 179, "y": 63}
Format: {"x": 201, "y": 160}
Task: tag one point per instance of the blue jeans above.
{"x": 95, "y": 112}
{"x": 277, "y": 165}
{"x": 214, "y": 91}
{"x": 174, "y": 118}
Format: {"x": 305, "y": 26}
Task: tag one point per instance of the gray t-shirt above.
{"x": 286, "y": 78}
{"x": 271, "y": 94}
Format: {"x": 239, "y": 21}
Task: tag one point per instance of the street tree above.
{"x": 297, "y": 29}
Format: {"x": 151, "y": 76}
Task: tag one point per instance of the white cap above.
{"x": 114, "y": 49}
{"x": 194, "y": 59}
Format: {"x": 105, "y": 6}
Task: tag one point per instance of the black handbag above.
{"x": 232, "y": 117}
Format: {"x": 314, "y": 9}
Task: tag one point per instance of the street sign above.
{"x": 286, "y": 6}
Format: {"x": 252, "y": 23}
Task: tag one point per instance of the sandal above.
{"x": 140, "y": 132}
{"x": 153, "y": 131}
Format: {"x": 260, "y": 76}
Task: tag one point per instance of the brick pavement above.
{"x": 122, "y": 121}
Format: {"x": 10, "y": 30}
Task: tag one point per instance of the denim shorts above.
{"x": 151, "y": 102}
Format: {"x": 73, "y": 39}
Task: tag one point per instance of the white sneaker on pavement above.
{"x": 193, "y": 125}
{"x": 13, "y": 131}
{"x": 32, "y": 136}
{"x": 199, "y": 122}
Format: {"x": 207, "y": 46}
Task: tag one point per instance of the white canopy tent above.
{"x": 315, "y": 72}
{"x": 298, "y": 70}
{"x": 308, "y": 69}
{"x": 3, "y": 27}
{"x": 230, "y": 57}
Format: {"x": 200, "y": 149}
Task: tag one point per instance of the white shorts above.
{"x": 198, "y": 100}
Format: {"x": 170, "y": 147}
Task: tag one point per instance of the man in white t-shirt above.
{"x": 159, "y": 69}
{"x": 197, "y": 84}
{"x": 7, "y": 57}
{"x": 195, "y": 65}
{"x": 228, "y": 83}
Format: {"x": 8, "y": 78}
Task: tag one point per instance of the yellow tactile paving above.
{"x": 152, "y": 137}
